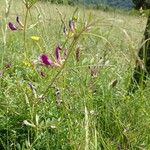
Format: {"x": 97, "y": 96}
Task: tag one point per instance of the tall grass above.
{"x": 83, "y": 104}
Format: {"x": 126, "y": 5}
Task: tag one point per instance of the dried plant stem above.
{"x": 86, "y": 129}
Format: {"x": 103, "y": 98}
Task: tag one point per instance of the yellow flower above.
{"x": 26, "y": 63}
{"x": 71, "y": 34}
{"x": 35, "y": 38}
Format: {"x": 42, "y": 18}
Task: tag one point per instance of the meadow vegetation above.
{"x": 78, "y": 102}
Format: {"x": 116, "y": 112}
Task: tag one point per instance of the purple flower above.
{"x": 57, "y": 51}
{"x": 45, "y": 60}
{"x": 57, "y": 62}
{"x": 72, "y": 25}
{"x": 12, "y": 26}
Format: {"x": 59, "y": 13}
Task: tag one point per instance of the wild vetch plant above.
{"x": 30, "y": 66}
{"x": 63, "y": 79}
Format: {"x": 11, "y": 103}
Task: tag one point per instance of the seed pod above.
{"x": 57, "y": 52}
{"x": 78, "y": 54}
{"x": 93, "y": 71}
{"x": 32, "y": 87}
{"x": 42, "y": 74}
{"x": 113, "y": 83}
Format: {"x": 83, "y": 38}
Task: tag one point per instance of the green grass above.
{"x": 93, "y": 115}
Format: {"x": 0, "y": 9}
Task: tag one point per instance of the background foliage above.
{"x": 141, "y": 3}
{"x": 114, "y": 3}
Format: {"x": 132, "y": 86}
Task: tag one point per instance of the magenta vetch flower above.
{"x": 45, "y": 60}
{"x": 12, "y": 26}
{"x": 57, "y": 62}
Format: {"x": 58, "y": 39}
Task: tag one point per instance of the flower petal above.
{"x": 35, "y": 38}
{"x": 45, "y": 60}
{"x": 12, "y": 26}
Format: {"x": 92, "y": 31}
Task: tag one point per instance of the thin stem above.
{"x": 58, "y": 73}
{"x": 25, "y": 27}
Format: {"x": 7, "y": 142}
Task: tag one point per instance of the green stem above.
{"x": 58, "y": 73}
{"x": 25, "y": 28}
{"x": 64, "y": 64}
